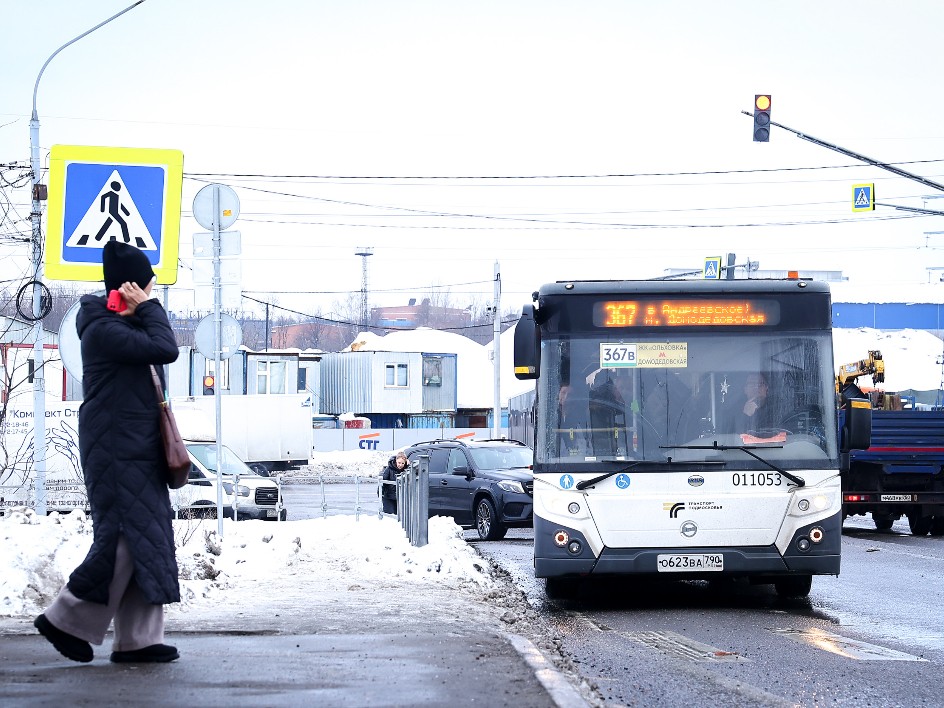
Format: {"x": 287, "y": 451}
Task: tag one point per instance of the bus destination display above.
{"x": 686, "y": 313}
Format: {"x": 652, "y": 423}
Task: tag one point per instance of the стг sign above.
{"x": 99, "y": 194}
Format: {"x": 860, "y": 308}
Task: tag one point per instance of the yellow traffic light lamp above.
{"x": 762, "y": 118}
{"x": 208, "y": 382}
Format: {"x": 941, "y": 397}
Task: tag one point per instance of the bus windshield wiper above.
{"x": 799, "y": 481}
{"x": 590, "y": 482}
{"x": 655, "y": 463}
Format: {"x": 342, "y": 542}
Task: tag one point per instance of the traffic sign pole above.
{"x": 216, "y": 207}
{"x": 217, "y": 360}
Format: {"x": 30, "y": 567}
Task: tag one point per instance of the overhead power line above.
{"x": 616, "y": 175}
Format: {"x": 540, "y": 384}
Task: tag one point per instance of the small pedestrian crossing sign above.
{"x": 712, "y": 268}
{"x": 101, "y": 194}
{"x": 863, "y": 197}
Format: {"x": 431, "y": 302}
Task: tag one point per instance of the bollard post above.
{"x": 422, "y": 502}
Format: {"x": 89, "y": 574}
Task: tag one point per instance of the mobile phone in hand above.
{"x": 116, "y": 303}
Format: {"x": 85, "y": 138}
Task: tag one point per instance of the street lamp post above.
{"x": 39, "y": 379}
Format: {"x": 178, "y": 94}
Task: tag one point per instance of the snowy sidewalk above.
{"x": 320, "y": 612}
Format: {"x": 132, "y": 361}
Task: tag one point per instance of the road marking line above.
{"x": 682, "y": 647}
{"x": 843, "y": 646}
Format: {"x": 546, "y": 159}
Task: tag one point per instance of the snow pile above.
{"x": 346, "y": 463}
{"x": 38, "y": 554}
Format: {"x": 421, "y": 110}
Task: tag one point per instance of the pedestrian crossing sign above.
{"x": 712, "y": 268}
{"x": 100, "y": 194}
{"x": 863, "y": 197}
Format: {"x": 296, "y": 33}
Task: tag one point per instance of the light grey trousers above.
{"x": 138, "y": 623}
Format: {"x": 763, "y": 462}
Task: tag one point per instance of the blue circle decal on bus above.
{"x": 566, "y": 481}
{"x": 622, "y": 481}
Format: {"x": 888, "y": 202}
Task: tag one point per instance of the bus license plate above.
{"x": 896, "y": 497}
{"x": 690, "y": 562}
{"x": 271, "y": 513}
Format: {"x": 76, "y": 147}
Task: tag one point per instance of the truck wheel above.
{"x": 920, "y": 525}
{"x": 259, "y": 469}
{"x": 883, "y": 523}
{"x": 794, "y": 585}
{"x": 937, "y": 526}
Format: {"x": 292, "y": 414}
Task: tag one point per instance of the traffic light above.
{"x": 761, "y": 118}
{"x": 208, "y": 382}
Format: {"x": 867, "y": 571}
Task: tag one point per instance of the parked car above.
{"x": 485, "y": 484}
{"x": 257, "y": 498}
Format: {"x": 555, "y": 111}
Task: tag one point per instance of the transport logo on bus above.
{"x": 566, "y": 481}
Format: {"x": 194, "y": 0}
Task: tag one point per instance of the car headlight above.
{"x": 509, "y": 485}
{"x": 241, "y": 490}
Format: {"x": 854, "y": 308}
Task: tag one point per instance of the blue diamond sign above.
{"x": 100, "y": 194}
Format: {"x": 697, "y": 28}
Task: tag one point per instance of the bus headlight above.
{"x": 813, "y": 502}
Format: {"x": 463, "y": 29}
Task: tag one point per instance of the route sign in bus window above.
{"x": 693, "y": 312}
{"x": 650, "y": 355}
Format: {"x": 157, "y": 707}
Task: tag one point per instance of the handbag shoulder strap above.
{"x": 158, "y": 390}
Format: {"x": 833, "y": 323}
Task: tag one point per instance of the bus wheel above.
{"x": 883, "y": 523}
{"x": 937, "y": 526}
{"x": 794, "y": 585}
{"x": 560, "y": 588}
{"x": 920, "y": 525}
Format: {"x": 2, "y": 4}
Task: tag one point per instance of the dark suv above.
{"x": 487, "y": 484}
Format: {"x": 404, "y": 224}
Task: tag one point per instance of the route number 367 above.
{"x": 614, "y": 356}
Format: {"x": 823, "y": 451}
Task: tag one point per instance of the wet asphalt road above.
{"x": 874, "y": 636}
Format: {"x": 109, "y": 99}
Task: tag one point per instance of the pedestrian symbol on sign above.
{"x": 863, "y": 197}
{"x": 112, "y": 216}
{"x": 712, "y": 268}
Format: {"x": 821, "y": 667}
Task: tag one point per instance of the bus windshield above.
{"x": 649, "y": 397}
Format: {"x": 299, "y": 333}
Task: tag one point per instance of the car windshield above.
{"x": 681, "y": 396}
{"x": 206, "y": 454}
{"x": 502, "y": 458}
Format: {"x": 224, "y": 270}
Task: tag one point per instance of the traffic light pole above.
{"x": 862, "y": 158}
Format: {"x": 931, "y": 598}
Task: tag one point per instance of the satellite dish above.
{"x": 70, "y": 348}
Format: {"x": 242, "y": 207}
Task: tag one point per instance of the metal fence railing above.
{"x": 304, "y": 496}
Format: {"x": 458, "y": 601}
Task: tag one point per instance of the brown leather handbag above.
{"x": 175, "y": 452}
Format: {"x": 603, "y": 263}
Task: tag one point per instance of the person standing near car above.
{"x": 388, "y": 492}
{"x": 130, "y": 571}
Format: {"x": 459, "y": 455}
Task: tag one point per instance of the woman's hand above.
{"x": 133, "y": 296}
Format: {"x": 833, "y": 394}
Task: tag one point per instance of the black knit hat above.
{"x": 124, "y": 263}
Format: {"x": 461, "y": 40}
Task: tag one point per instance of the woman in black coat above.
{"x": 130, "y": 571}
{"x": 388, "y": 492}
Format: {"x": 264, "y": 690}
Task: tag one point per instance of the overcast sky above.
{"x": 566, "y": 140}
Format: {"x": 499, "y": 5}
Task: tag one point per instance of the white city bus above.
{"x": 685, "y": 429}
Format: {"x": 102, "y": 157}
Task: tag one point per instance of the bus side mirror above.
{"x": 527, "y": 346}
{"x": 856, "y": 431}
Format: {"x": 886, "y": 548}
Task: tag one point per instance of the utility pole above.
{"x": 40, "y": 292}
{"x": 364, "y": 253}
